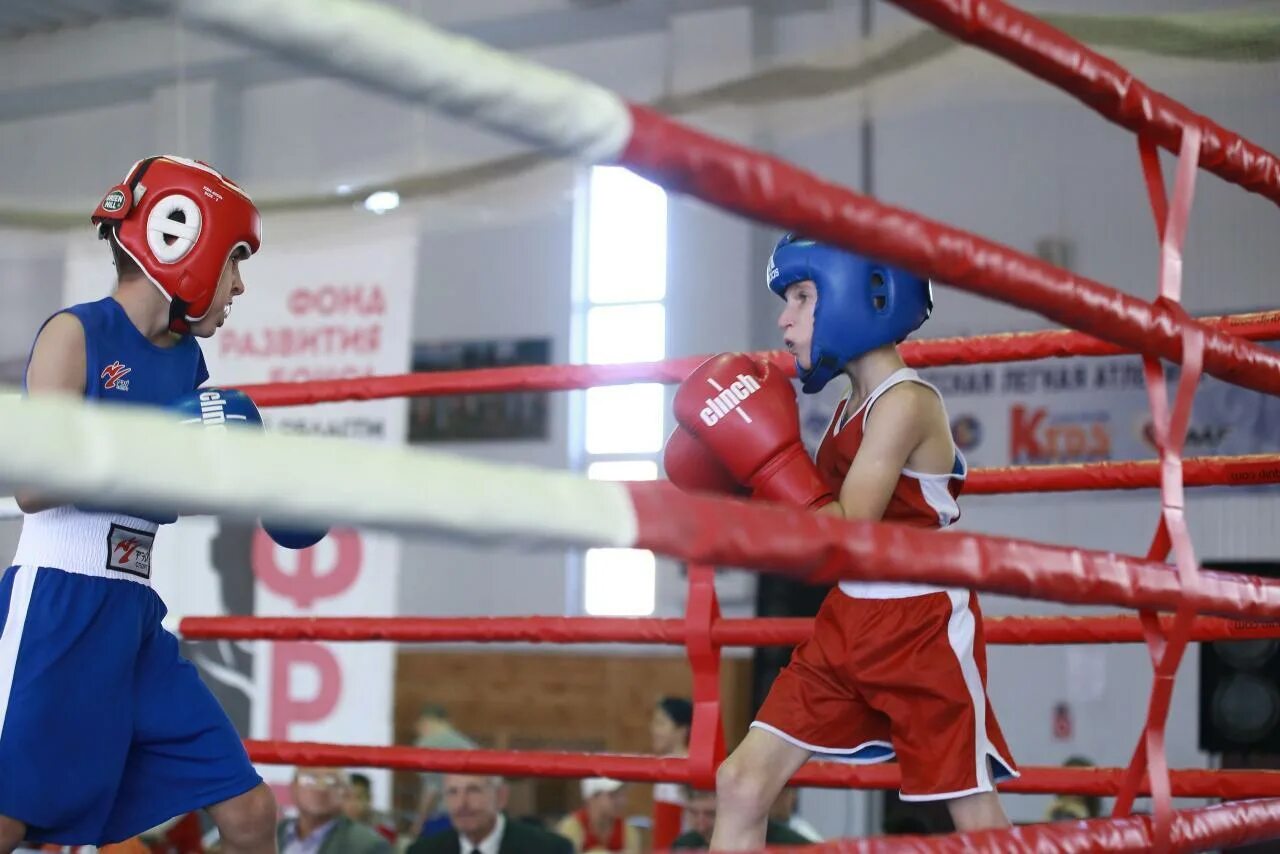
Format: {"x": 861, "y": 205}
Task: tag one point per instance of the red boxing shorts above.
{"x": 904, "y": 677}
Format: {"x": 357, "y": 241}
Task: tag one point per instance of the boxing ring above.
{"x": 83, "y": 450}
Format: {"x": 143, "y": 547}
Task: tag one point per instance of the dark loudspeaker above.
{"x": 1240, "y": 686}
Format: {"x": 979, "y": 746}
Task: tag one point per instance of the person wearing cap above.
{"x": 598, "y": 826}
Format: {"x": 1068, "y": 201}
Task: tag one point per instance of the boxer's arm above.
{"x": 57, "y": 367}
{"x": 897, "y": 424}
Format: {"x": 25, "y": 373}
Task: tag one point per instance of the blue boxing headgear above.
{"x": 862, "y": 304}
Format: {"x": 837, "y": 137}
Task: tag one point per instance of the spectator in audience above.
{"x": 669, "y": 726}
{"x": 599, "y": 826}
{"x": 479, "y": 826}
{"x": 182, "y": 834}
{"x": 437, "y": 733}
{"x": 700, "y": 810}
{"x": 320, "y": 827}
{"x": 358, "y": 807}
{"x": 669, "y": 733}
{"x": 1075, "y": 807}
{"x": 784, "y": 812}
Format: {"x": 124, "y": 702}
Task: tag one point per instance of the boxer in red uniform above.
{"x": 892, "y": 670}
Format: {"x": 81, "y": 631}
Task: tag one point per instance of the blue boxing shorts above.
{"x": 105, "y": 730}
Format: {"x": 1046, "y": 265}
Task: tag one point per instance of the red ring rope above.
{"x": 821, "y": 549}
{"x": 651, "y": 769}
{"x": 762, "y": 631}
{"x": 1017, "y": 346}
{"x": 771, "y": 190}
{"x": 1208, "y": 828}
{"x": 1102, "y": 84}
{"x": 1251, "y": 470}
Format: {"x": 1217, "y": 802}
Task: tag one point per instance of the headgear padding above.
{"x": 861, "y": 304}
{"x": 180, "y": 220}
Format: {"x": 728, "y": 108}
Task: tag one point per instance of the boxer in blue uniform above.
{"x": 105, "y": 730}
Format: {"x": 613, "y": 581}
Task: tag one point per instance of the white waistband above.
{"x": 890, "y": 589}
{"x": 103, "y": 545}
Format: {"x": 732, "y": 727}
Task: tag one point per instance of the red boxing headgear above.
{"x": 180, "y": 220}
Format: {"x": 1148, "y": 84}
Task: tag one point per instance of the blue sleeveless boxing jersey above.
{"x": 123, "y": 366}
{"x": 105, "y": 729}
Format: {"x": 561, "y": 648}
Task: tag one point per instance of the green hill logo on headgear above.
{"x": 114, "y": 201}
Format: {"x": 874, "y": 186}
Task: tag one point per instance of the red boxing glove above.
{"x": 690, "y": 466}
{"x": 745, "y": 414}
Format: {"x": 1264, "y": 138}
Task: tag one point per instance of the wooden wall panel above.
{"x": 531, "y": 700}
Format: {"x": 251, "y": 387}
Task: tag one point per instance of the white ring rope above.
{"x": 394, "y": 52}
{"x": 127, "y": 456}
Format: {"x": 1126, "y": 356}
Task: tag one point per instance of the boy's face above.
{"x": 666, "y": 735}
{"x": 230, "y": 286}
{"x": 796, "y": 321}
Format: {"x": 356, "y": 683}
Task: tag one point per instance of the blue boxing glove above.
{"x": 208, "y": 407}
{"x": 217, "y": 407}
{"x": 294, "y": 538}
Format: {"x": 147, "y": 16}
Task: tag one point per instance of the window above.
{"x": 620, "y": 316}
{"x": 626, "y": 238}
{"x": 619, "y": 582}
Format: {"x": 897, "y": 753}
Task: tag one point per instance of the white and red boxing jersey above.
{"x": 919, "y": 499}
